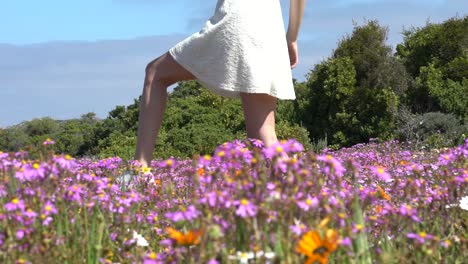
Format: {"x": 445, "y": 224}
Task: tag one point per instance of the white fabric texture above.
{"x": 241, "y": 48}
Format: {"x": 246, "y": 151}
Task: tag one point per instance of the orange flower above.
{"x": 184, "y": 239}
{"x": 200, "y": 171}
{"x": 316, "y": 248}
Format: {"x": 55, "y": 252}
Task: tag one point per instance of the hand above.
{"x": 293, "y": 54}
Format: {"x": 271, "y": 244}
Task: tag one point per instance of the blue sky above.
{"x": 47, "y": 20}
{"x": 63, "y": 58}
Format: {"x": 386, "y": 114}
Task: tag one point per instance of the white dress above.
{"x": 241, "y": 48}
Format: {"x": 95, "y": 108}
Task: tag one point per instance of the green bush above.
{"x": 432, "y": 130}
{"x": 436, "y": 57}
{"x": 285, "y": 130}
{"x": 120, "y": 145}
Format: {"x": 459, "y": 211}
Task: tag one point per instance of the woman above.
{"x": 241, "y": 52}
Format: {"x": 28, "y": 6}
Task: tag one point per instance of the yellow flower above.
{"x": 244, "y": 202}
{"x": 184, "y": 239}
{"x": 145, "y": 170}
{"x": 316, "y": 248}
{"x": 152, "y": 255}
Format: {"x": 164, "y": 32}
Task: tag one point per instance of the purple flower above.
{"x": 14, "y": 205}
{"x": 152, "y": 258}
{"x": 47, "y": 220}
{"x": 30, "y": 213}
{"x": 152, "y": 217}
{"x": 276, "y": 149}
{"x": 75, "y": 193}
{"x": 66, "y": 162}
{"x": 421, "y": 237}
{"x": 256, "y": 142}
{"x": 169, "y": 163}
{"x": 407, "y": 210}
{"x": 188, "y": 214}
{"x": 446, "y": 158}
{"x": 333, "y": 163}
{"x": 346, "y": 241}
{"x": 445, "y": 243}
{"x": 47, "y": 142}
{"x": 49, "y": 208}
{"x": 298, "y": 228}
{"x": 246, "y": 208}
{"x": 381, "y": 173}
{"x": 309, "y": 202}
{"x": 35, "y": 171}
{"x": 19, "y": 234}
{"x": 113, "y": 236}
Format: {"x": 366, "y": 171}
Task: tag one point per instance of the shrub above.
{"x": 285, "y": 130}
{"x": 433, "y": 129}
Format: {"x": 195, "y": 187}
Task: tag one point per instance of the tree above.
{"x": 13, "y": 139}
{"x": 372, "y": 58}
{"x": 436, "y": 56}
{"x": 40, "y": 126}
{"x": 76, "y": 137}
{"x": 353, "y": 96}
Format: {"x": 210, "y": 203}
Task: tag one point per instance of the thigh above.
{"x": 167, "y": 70}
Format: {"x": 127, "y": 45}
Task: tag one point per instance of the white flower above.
{"x": 273, "y": 196}
{"x": 140, "y": 240}
{"x": 451, "y": 205}
{"x": 268, "y": 255}
{"x": 464, "y": 203}
{"x": 243, "y": 257}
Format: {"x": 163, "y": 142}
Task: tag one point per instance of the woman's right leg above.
{"x": 160, "y": 74}
{"x": 259, "y": 112}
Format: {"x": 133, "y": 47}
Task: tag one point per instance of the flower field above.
{"x": 371, "y": 203}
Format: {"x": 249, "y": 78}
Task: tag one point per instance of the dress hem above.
{"x": 235, "y": 94}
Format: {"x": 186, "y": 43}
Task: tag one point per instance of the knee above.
{"x": 151, "y": 71}
{"x": 155, "y": 74}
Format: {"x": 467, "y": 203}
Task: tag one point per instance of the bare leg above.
{"x": 160, "y": 74}
{"x": 259, "y": 113}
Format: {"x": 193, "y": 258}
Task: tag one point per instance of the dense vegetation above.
{"x": 363, "y": 90}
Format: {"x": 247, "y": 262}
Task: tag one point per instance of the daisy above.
{"x": 317, "y": 248}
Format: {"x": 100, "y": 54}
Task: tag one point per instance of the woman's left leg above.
{"x": 160, "y": 74}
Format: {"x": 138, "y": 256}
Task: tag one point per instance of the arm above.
{"x": 296, "y": 12}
